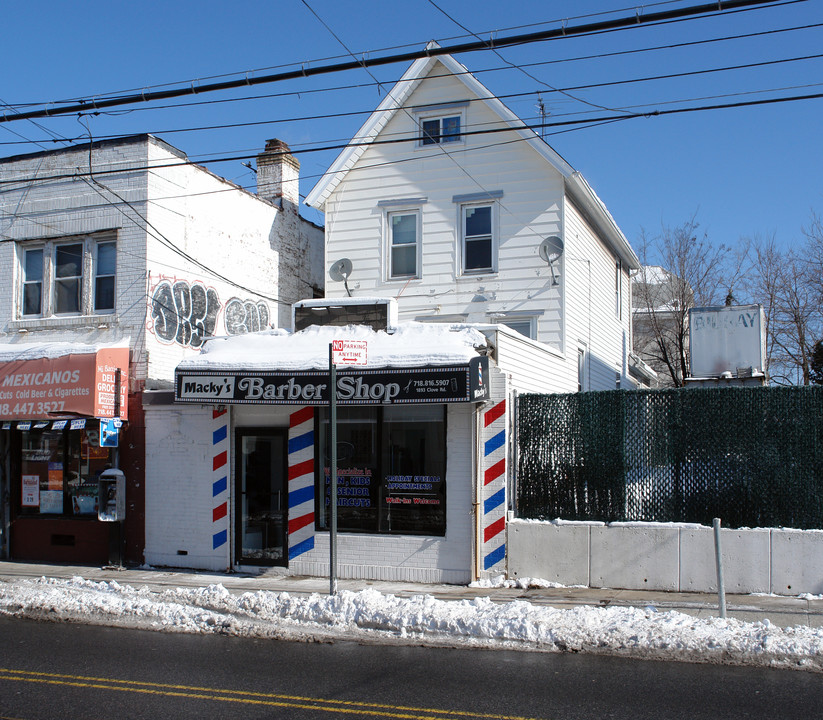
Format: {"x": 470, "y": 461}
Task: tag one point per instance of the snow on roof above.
{"x": 13, "y": 352}
{"x": 411, "y": 344}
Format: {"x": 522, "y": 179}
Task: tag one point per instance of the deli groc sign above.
{"x": 384, "y": 386}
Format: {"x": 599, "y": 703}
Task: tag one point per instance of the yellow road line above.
{"x": 245, "y": 697}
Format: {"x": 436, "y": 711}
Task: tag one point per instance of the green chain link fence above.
{"x": 750, "y": 456}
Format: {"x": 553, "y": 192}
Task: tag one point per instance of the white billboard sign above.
{"x": 723, "y": 339}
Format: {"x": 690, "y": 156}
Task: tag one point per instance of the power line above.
{"x": 506, "y": 96}
{"x": 408, "y": 138}
{"x": 564, "y": 60}
{"x": 522, "y": 39}
{"x": 245, "y": 73}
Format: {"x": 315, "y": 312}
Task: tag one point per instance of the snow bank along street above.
{"x": 371, "y": 616}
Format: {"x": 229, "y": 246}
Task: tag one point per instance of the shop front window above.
{"x": 59, "y": 470}
{"x": 391, "y": 470}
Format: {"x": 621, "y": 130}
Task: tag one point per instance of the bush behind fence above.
{"x": 750, "y": 456}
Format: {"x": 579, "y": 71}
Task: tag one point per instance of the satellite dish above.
{"x": 550, "y": 250}
{"x": 341, "y": 270}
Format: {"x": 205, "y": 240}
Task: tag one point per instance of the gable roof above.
{"x": 575, "y": 184}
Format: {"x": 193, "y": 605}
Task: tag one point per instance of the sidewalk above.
{"x": 784, "y": 611}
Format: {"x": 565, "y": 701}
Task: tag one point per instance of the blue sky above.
{"x": 742, "y": 172}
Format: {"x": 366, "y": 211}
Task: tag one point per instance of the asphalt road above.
{"x": 53, "y": 671}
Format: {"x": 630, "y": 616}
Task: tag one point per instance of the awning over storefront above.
{"x": 417, "y": 363}
{"x": 44, "y": 381}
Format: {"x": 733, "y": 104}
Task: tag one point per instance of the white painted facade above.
{"x": 177, "y": 228}
{"x": 578, "y": 304}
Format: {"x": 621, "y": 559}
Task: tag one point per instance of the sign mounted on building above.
{"x": 72, "y": 384}
{"x": 384, "y": 386}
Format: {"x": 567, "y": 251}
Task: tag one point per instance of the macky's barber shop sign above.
{"x": 383, "y": 386}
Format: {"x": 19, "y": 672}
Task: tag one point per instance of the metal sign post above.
{"x": 333, "y": 469}
{"x": 348, "y": 352}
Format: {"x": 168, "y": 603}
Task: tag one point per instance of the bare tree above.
{"x": 679, "y": 271}
{"x": 788, "y": 284}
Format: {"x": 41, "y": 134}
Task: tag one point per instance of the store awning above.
{"x": 63, "y": 380}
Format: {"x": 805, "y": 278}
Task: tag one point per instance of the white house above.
{"x": 121, "y": 258}
{"x": 445, "y": 200}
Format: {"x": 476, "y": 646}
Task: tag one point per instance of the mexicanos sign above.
{"x": 78, "y": 384}
{"x": 385, "y": 386}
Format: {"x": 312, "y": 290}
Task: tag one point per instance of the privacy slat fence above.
{"x": 751, "y": 456}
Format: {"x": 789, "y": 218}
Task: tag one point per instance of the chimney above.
{"x": 278, "y": 174}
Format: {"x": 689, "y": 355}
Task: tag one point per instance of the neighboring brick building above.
{"x": 124, "y": 243}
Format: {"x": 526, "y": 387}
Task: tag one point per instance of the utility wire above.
{"x": 638, "y": 20}
{"x": 505, "y": 96}
{"x": 408, "y": 138}
{"x": 246, "y": 73}
{"x": 354, "y": 86}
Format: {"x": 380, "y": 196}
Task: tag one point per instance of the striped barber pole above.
{"x": 301, "y": 482}
{"x": 494, "y": 487}
{"x": 220, "y": 478}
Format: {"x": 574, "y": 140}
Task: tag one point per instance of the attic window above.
{"x": 438, "y": 130}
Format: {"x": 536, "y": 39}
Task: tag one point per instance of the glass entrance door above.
{"x": 262, "y": 496}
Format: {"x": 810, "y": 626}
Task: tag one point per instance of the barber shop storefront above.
{"x": 61, "y": 415}
{"x": 406, "y": 440}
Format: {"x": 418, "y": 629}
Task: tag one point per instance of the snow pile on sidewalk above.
{"x": 374, "y": 617}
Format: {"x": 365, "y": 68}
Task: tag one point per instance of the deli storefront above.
{"x": 407, "y": 489}
{"x": 52, "y": 410}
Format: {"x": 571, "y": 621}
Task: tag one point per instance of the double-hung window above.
{"x": 438, "y": 130}
{"x": 67, "y": 276}
{"x": 404, "y": 243}
{"x": 32, "y": 300}
{"x": 105, "y": 266}
{"x": 478, "y": 238}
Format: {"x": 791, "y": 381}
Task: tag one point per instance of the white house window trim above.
{"x": 525, "y": 317}
{"x": 446, "y": 115}
{"x": 618, "y": 289}
{"x": 493, "y": 236}
{"x": 85, "y": 283}
{"x": 402, "y": 210}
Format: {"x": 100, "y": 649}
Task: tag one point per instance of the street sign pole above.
{"x": 333, "y": 500}
{"x": 345, "y": 352}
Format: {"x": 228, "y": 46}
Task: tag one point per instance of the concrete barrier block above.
{"x": 557, "y": 553}
{"x": 745, "y": 557}
{"x": 797, "y": 562}
{"x": 635, "y": 557}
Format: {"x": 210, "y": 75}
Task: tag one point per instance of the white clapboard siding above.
{"x": 592, "y": 319}
{"x": 530, "y": 209}
{"x": 574, "y": 312}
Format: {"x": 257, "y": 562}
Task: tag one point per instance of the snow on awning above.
{"x": 418, "y": 362}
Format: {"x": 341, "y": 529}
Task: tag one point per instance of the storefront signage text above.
{"x": 82, "y": 384}
{"x": 466, "y": 383}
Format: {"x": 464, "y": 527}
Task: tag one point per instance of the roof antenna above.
{"x": 541, "y": 110}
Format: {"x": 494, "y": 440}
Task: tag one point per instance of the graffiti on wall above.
{"x": 186, "y": 313}
{"x": 245, "y": 316}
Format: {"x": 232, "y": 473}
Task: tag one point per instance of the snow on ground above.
{"x": 370, "y": 616}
